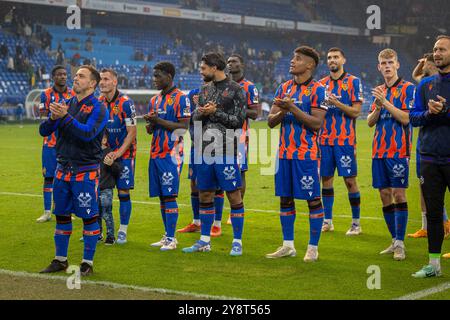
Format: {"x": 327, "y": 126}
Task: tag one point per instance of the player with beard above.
{"x": 338, "y": 138}
{"x": 432, "y": 113}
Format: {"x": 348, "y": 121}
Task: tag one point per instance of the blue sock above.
{"x": 48, "y": 190}
{"x": 90, "y": 237}
{"x": 316, "y": 214}
{"x": 171, "y": 208}
{"x": 195, "y": 202}
{"x": 207, "y": 213}
{"x": 62, "y": 236}
{"x": 355, "y": 202}
{"x": 445, "y": 215}
{"x": 401, "y": 220}
{"x": 328, "y": 201}
{"x": 125, "y": 209}
{"x": 287, "y": 219}
{"x": 163, "y": 214}
{"x": 218, "y": 204}
{"x": 237, "y": 220}
{"x": 389, "y": 217}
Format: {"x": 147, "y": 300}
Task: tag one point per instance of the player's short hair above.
{"x": 237, "y": 55}
{"x": 109, "y": 70}
{"x": 215, "y": 59}
{"x": 388, "y": 53}
{"x": 165, "y": 66}
{"x": 309, "y": 52}
{"x": 56, "y": 68}
{"x": 336, "y": 49}
{"x": 442, "y": 36}
{"x": 95, "y": 75}
{"x": 428, "y": 57}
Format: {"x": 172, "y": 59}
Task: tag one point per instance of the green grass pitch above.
{"x": 341, "y": 272}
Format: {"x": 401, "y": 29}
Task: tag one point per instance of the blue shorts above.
{"x": 126, "y": 179}
{"x": 390, "y": 173}
{"x": 341, "y": 157}
{"x": 78, "y": 197}
{"x": 297, "y": 179}
{"x": 219, "y": 172}
{"x": 48, "y": 162}
{"x": 164, "y": 177}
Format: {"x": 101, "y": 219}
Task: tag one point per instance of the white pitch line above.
{"x": 114, "y": 285}
{"x": 427, "y": 292}
{"x": 187, "y": 205}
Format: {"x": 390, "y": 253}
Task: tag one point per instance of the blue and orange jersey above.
{"x": 251, "y": 92}
{"x": 297, "y": 141}
{"x": 122, "y": 114}
{"x": 172, "y": 106}
{"x": 338, "y": 128}
{"x": 47, "y": 97}
{"x": 191, "y": 95}
{"x": 392, "y": 139}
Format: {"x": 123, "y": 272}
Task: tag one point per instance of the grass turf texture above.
{"x": 339, "y": 274}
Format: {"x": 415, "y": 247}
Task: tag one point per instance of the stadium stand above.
{"x": 125, "y": 45}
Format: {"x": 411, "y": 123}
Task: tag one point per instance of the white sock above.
{"x": 217, "y": 223}
{"x": 48, "y": 212}
{"x": 355, "y": 222}
{"x": 436, "y": 262}
{"x": 238, "y": 241}
{"x": 424, "y": 221}
{"x": 329, "y": 221}
{"x": 289, "y": 243}
{"x": 62, "y": 259}
{"x": 196, "y": 222}
{"x": 313, "y": 247}
{"x": 90, "y": 262}
{"x": 205, "y": 238}
{"x": 123, "y": 228}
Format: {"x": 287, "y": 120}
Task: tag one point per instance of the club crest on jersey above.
{"x": 399, "y": 171}
{"x": 307, "y": 182}
{"x": 167, "y": 178}
{"x": 225, "y": 93}
{"x": 346, "y": 162}
{"x": 84, "y": 200}
{"x": 344, "y": 86}
{"x": 307, "y": 92}
{"x": 230, "y": 173}
{"x": 116, "y": 109}
{"x": 169, "y": 100}
{"x": 397, "y": 93}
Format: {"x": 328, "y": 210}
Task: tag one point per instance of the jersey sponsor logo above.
{"x": 167, "y": 178}
{"x": 84, "y": 200}
{"x": 230, "y": 173}
{"x": 307, "y": 182}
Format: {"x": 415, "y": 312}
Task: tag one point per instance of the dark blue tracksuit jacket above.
{"x": 435, "y": 132}
{"x": 79, "y": 134}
